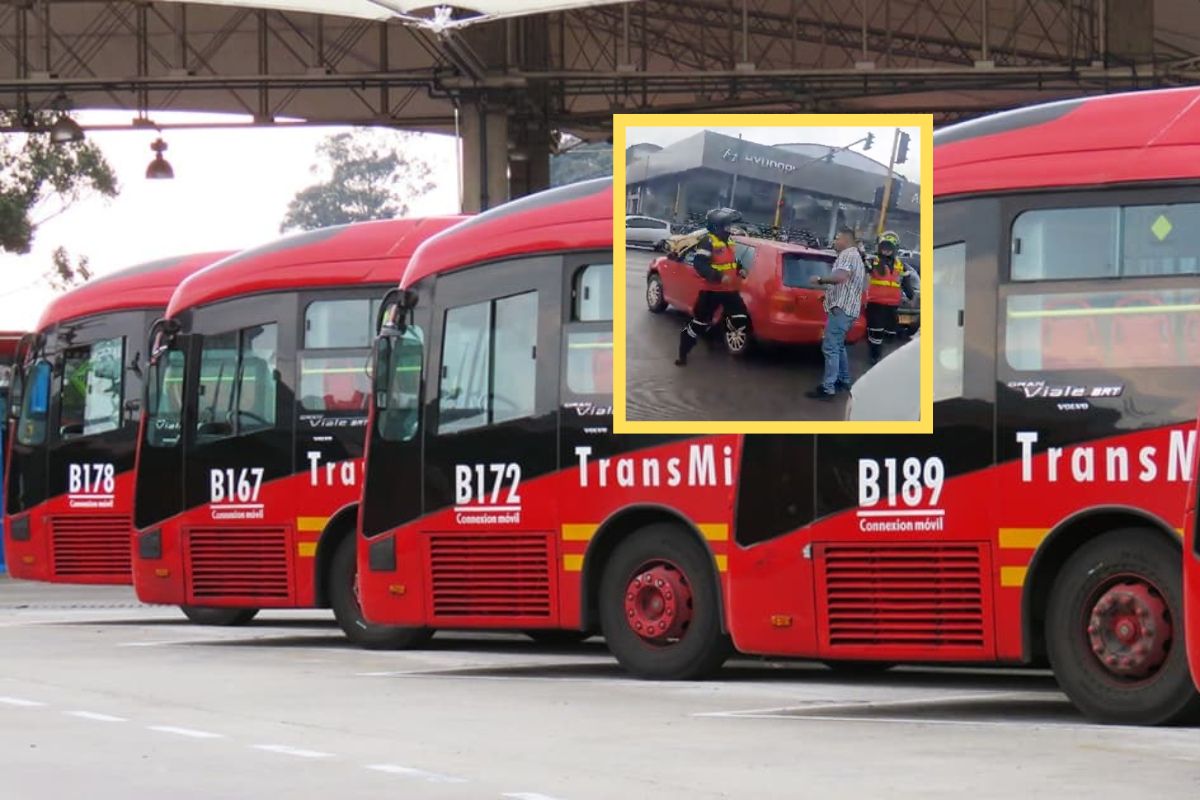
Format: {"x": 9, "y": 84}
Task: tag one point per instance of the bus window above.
{"x": 1112, "y": 329}
{"x": 1106, "y": 242}
{"x": 336, "y": 383}
{"x": 590, "y": 345}
{"x": 31, "y": 429}
{"x": 477, "y": 389}
{"x": 164, "y": 400}
{"x": 256, "y": 379}
{"x": 91, "y": 388}
{"x": 237, "y": 382}
{"x": 397, "y": 420}
{"x": 338, "y": 323}
{"x": 949, "y": 302}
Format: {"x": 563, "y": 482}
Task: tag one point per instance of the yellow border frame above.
{"x": 923, "y": 122}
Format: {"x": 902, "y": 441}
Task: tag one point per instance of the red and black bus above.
{"x": 250, "y": 454}
{"x": 75, "y": 402}
{"x": 1039, "y": 524}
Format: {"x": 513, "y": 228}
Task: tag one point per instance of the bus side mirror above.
{"x": 382, "y": 371}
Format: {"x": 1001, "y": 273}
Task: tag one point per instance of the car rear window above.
{"x": 799, "y": 269}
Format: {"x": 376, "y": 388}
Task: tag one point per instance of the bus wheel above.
{"x": 659, "y": 606}
{"x": 1114, "y": 631}
{"x": 550, "y": 636}
{"x": 654, "y": 294}
{"x": 226, "y": 617}
{"x": 343, "y": 596}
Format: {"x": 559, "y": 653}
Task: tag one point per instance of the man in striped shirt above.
{"x": 843, "y": 302}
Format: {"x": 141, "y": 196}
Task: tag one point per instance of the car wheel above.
{"x": 655, "y": 300}
{"x": 738, "y": 341}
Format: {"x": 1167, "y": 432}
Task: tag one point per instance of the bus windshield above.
{"x": 164, "y": 398}
{"x": 398, "y": 367}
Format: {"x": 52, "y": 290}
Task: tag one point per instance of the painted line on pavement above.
{"x": 413, "y": 772}
{"x": 190, "y": 732}
{"x": 92, "y": 715}
{"x": 20, "y": 702}
{"x": 283, "y": 749}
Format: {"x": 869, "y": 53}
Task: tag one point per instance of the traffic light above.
{"x": 869, "y": 142}
{"x": 902, "y": 149}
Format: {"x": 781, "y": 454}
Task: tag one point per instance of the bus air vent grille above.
{"x": 917, "y": 597}
{"x": 92, "y": 546}
{"x": 492, "y": 575}
{"x": 238, "y": 563}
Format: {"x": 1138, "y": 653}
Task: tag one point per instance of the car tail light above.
{"x": 783, "y": 302}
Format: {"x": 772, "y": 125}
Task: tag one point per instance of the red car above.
{"x": 784, "y": 305}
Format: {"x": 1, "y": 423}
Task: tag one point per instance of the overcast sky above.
{"x": 836, "y": 137}
{"x": 230, "y": 191}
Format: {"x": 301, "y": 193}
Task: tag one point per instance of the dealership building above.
{"x": 792, "y": 182}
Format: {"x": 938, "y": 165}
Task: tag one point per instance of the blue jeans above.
{"x": 833, "y": 346}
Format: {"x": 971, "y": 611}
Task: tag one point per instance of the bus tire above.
{"x": 1114, "y": 631}
{"x": 224, "y": 617}
{"x": 662, "y": 579}
{"x": 655, "y": 299}
{"x": 557, "y": 636}
{"x": 343, "y": 597}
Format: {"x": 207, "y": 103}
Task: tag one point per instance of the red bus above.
{"x": 75, "y": 404}
{"x": 250, "y": 453}
{"x": 9, "y": 341}
{"x": 1039, "y": 524}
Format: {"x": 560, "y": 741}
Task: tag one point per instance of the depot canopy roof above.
{"x": 427, "y": 13}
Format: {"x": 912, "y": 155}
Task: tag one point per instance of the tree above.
{"x": 63, "y": 274}
{"x": 580, "y": 163}
{"x": 40, "y": 180}
{"x": 368, "y": 174}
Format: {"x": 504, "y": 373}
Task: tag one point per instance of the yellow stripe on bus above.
{"x": 1022, "y": 538}
{"x": 573, "y": 562}
{"x": 722, "y": 562}
{"x": 714, "y": 531}
{"x": 307, "y": 549}
{"x": 310, "y": 524}
{"x": 1013, "y": 576}
{"x": 578, "y": 533}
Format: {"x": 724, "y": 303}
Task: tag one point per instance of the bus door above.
{"x": 238, "y": 438}
{"x": 99, "y": 367}
{"x": 25, "y": 476}
{"x": 488, "y": 542}
{"x": 902, "y": 555}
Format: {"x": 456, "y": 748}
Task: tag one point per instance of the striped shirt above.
{"x": 847, "y": 295}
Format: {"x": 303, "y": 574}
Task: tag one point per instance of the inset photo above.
{"x": 769, "y": 273}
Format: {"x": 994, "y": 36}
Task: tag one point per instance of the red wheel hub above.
{"x": 658, "y": 602}
{"x": 1129, "y": 629}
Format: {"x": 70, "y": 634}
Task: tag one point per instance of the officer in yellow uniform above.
{"x": 716, "y": 263}
{"x": 886, "y": 273}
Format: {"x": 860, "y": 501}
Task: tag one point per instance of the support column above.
{"x": 833, "y": 219}
{"x": 531, "y": 172}
{"x": 484, "y": 134}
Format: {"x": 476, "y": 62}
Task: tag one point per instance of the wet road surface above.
{"x": 769, "y": 384}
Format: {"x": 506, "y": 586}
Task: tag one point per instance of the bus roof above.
{"x": 1111, "y": 139}
{"x": 363, "y": 252}
{"x": 572, "y": 217}
{"x": 147, "y": 285}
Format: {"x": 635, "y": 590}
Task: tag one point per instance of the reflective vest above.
{"x": 723, "y": 258}
{"x": 885, "y": 288}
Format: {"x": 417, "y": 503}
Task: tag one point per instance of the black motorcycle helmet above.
{"x": 718, "y": 220}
